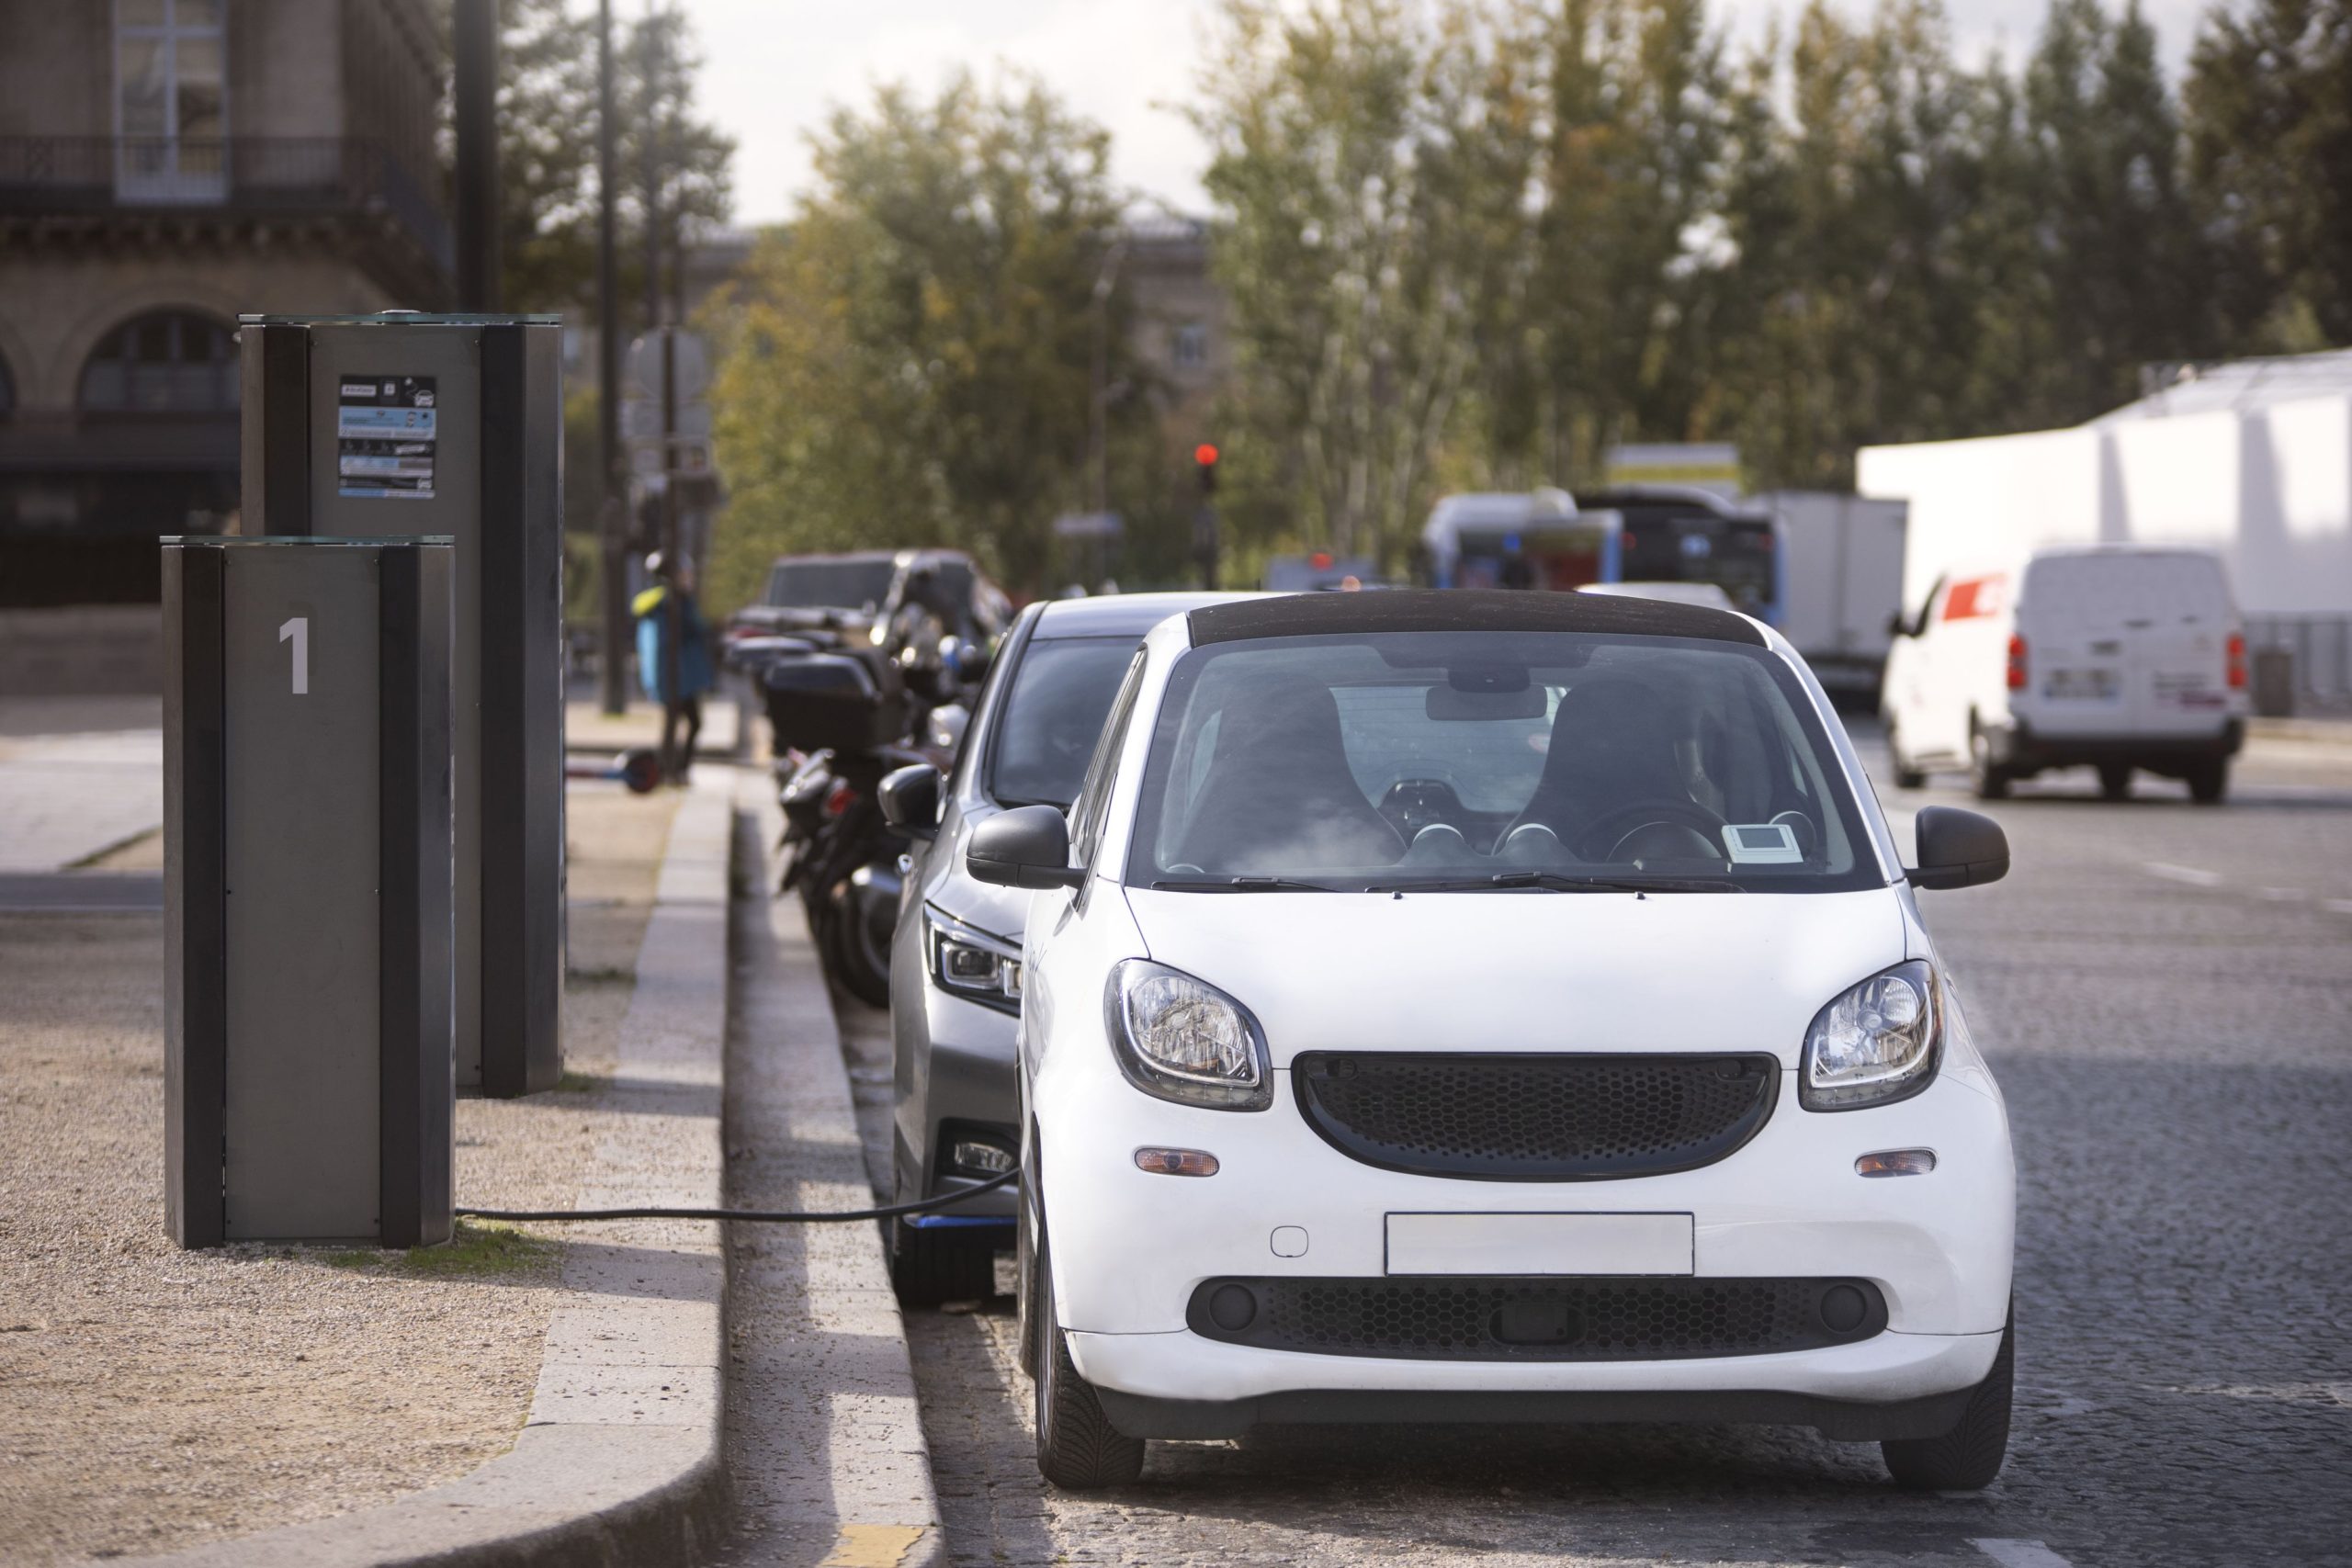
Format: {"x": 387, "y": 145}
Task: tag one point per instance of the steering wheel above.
{"x": 1615, "y": 828}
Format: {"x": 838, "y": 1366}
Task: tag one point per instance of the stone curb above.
{"x": 853, "y": 1487}
{"x": 619, "y": 1461}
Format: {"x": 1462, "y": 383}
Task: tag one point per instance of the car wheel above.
{"x": 930, "y": 1264}
{"x": 1078, "y": 1449}
{"x": 1967, "y": 1457}
{"x": 860, "y": 960}
{"x": 2115, "y": 780}
{"x": 1024, "y": 1324}
{"x": 2209, "y": 782}
{"x": 1990, "y": 780}
{"x": 1906, "y": 775}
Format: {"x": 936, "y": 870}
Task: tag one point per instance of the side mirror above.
{"x": 909, "y": 799}
{"x": 1025, "y": 846}
{"x": 1959, "y": 848}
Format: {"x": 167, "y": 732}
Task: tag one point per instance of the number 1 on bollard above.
{"x": 299, "y": 629}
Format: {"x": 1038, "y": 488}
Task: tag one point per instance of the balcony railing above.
{"x": 296, "y": 175}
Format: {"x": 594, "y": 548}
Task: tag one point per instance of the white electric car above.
{"x": 1490, "y": 1008}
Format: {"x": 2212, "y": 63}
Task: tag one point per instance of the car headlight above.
{"x": 1876, "y": 1044}
{"x": 973, "y": 965}
{"x": 1184, "y": 1040}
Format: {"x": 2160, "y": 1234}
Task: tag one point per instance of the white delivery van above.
{"x": 2115, "y": 656}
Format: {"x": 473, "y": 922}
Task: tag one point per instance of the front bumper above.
{"x": 1129, "y": 1247}
{"x": 968, "y": 1087}
{"x": 1181, "y": 1385}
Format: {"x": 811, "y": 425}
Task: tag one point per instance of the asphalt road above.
{"x": 2165, "y": 993}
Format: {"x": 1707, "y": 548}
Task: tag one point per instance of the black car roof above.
{"x": 1464, "y": 610}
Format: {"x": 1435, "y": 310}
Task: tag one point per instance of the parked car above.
{"x": 2118, "y": 656}
{"x": 1628, "y": 1086}
{"x": 955, "y": 964}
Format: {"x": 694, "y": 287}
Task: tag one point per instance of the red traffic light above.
{"x": 1204, "y": 455}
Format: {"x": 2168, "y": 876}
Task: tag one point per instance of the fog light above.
{"x": 1176, "y": 1162}
{"x": 1896, "y": 1162}
{"x": 1232, "y": 1307}
{"x": 986, "y": 1158}
{"x": 1843, "y": 1308}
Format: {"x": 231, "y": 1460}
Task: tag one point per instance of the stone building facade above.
{"x": 164, "y": 165}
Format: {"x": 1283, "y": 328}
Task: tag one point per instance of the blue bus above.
{"x": 1647, "y": 532}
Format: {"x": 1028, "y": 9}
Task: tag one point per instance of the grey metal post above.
{"x": 307, "y": 890}
{"x": 475, "y": 37}
{"x": 613, "y": 519}
{"x": 486, "y": 468}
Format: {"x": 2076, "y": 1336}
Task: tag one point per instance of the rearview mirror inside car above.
{"x": 1450, "y": 702}
{"x": 1025, "y": 846}
{"x": 1958, "y": 849}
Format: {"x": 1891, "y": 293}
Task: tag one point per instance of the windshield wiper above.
{"x": 1554, "y": 882}
{"x": 1239, "y": 885}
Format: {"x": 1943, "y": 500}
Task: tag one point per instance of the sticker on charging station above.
{"x": 1761, "y": 843}
{"x": 386, "y": 428}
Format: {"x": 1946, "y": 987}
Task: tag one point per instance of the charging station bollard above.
{"x": 307, "y": 887}
{"x": 402, "y": 425}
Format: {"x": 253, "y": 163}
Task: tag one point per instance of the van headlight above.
{"x": 1184, "y": 1040}
{"x": 1876, "y": 1044}
{"x": 973, "y": 965}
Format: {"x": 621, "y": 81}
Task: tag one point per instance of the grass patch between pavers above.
{"x": 601, "y": 974}
{"x": 475, "y": 1248}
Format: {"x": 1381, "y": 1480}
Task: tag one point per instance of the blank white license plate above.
{"x": 2081, "y": 685}
{"x": 1539, "y": 1244}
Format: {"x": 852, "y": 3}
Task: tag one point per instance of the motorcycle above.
{"x": 844, "y": 721}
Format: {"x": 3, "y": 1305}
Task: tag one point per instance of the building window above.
{"x": 171, "y": 100}
{"x": 165, "y": 362}
{"x": 1190, "y": 346}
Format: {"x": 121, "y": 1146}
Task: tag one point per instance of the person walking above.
{"x": 673, "y": 660}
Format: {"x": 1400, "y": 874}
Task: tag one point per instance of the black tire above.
{"x": 1024, "y": 1327}
{"x": 1967, "y": 1457}
{"x": 1988, "y": 778}
{"x": 933, "y": 1264}
{"x": 2115, "y": 780}
{"x": 1078, "y": 1449}
{"x": 1906, "y": 775}
{"x": 859, "y": 960}
{"x": 2209, "y": 782}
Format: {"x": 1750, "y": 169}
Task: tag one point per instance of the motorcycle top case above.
{"x": 832, "y": 701}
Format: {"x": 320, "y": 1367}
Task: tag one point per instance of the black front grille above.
{"x": 1537, "y": 1319}
{"x": 1526, "y": 1118}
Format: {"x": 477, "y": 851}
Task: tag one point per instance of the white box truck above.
{"x": 1842, "y": 583}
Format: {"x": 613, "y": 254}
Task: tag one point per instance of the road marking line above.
{"x": 2341, "y": 906}
{"x": 2020, "y": 1554}
{"x": 873, "y": 1546}
{"x": 2281, "y": 895}
{"x": 2187, "y": 873}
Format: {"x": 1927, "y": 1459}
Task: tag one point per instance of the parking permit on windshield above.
{"x": 1761, "y": 843}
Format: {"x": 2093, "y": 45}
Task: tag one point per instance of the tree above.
{"x": 911, "y": 361}
{"x": 2268, "y": 104}
{"x": 1325, "y": 126}
{"x": 547, "y": 147}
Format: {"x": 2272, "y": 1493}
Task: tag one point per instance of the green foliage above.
{"x": 2268, "y": 104}
{"x": 911, "y": 361}
{"x": 546, "y": 122}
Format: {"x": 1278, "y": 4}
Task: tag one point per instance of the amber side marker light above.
{"x": 1176, "y": 1162}
{"x": 1896, "y": 1162}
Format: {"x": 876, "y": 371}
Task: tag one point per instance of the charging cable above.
{"x": 756, "y": 1216}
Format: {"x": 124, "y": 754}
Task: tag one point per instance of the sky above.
{"x": 775, "y": 69}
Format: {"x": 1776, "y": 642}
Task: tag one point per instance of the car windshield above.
{"x": 1061, "y": 693}
{"x": 830, "y": 584}
{"x": 1494, "y": 759}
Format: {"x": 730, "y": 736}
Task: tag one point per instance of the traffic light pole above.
{"x": 613, "y": 515}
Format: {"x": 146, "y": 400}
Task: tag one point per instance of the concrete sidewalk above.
{"x": 619, "y": 1462}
